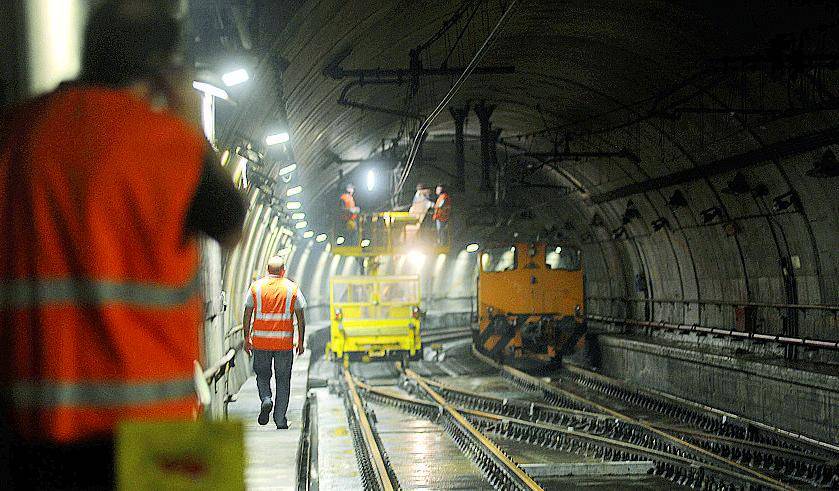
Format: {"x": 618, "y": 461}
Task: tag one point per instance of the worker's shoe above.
{"x": 283, "y": 426}
{"x": 265, "y": 411}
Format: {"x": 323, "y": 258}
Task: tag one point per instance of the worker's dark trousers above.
{"x": 281, "y": 360}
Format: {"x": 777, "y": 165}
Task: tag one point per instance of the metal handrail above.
{"x": 733, "y": 303}
{"x": 222, "y": 364}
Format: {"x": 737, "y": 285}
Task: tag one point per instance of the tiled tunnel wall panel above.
{"x": 797, "y": 401}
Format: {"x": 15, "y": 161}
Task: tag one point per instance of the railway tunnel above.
{"x": 684, "y": 152}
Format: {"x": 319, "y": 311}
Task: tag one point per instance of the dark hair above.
{"x": 130, "y": 40}
{"x": 442, "y": 186}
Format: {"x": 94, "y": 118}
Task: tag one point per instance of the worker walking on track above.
{"x": 105, "y": 184}
{"x": 272, "y": 303}
{"x": 442, "y": 212}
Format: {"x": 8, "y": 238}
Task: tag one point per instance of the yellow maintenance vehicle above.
{"x": 531, "y": 303}
{"x": 377, "y": 316}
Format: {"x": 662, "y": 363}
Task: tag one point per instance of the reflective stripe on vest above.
{"x": 273, "y": 334}
{"x": 23, "y": 294}
{"x": 273, "y": 316}
{"x": 98, "y": 394}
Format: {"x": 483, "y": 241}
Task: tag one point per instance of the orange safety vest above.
{"x": 99, "y": 287}
{"x": 442, "y": 208}
{"x": 274, "y": 300}
{"x": 349, "y": 204}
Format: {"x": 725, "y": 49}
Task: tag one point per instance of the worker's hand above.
{"x": 248, "y": 345}
{"x": 300, "y": 349}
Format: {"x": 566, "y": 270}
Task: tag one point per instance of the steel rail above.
{"x": 804, "y": 442}
{"x": 511, "y": 468}
{"x": 378, "y": 461}
{"x": 792, "y": 463}
{"x": 538, "y": 412}
{"x": 561, "y": 437}
{"x": 547, "y": 388}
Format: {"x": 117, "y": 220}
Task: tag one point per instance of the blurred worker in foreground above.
{"x": 349, "y": 215}
{"x": 105, "y": 184}
{"x": 442, "y": 212}
{"x": 273, "y": 302}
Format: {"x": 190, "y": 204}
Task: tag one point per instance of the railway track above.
{"x": 690, "y": 448}
{"x": 761, "y": 454}
{"x": 373, "y": 464}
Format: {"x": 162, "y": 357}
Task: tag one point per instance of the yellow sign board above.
{"x": 180, "y": 455}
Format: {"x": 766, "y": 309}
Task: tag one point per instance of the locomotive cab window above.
{"x": 562, "y": 257}
{"x": 498, "y": 259}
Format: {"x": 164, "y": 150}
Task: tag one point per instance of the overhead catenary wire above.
{"x": 473, "y": 63}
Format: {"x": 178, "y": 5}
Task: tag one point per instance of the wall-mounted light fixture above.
{"x": 308, "y": 234}
{"x": 737, "y": 185}
{"x": 631, "y": 213}
{"x": 785, "y": 201}
{"x": 677, "y": 200}
{"x": 472, "y": 248}
{"x": 619, "y": 233}
{"x": 236, "y": 77}
{"x": 320, "y": 238}
{"x": 709, "y": 214}
{"x": 288, "y": 169}
{"x": 659, "y": 224}
{"x": 276, "y": 139}
{"x": 825, "y": 166}
{"x": 294, "y": 205}
{"x": 302, "y": 224}
{"x": 298, "y": 216}
{"x": 294, "y": 191}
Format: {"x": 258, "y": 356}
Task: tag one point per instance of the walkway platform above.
{"x": 271, "y": 453}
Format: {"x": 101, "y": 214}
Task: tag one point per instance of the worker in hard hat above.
{"x": 105, "y": 186}
{"x": 349, "y": 215}
{"x": 442, "y": 213}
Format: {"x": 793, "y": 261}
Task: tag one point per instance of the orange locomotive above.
{"x": 530, "y": 304}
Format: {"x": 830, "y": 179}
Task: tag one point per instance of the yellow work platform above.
{"x": 389, "y": 233}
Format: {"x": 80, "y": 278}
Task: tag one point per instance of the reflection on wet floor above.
{"x": 422, "y": 454}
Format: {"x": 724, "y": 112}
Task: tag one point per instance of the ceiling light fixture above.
{"x": 210, "y": 90}
{"x": 236, "y": 77}
{"x": 288, "y": 169}
{"x": 276, "y": 139}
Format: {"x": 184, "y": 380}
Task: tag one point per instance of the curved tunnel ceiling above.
{"x": 574, "y": 61}
{"x": 680, "y": 85}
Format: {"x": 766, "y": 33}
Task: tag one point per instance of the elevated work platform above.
{"x": 389, "y": 233}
